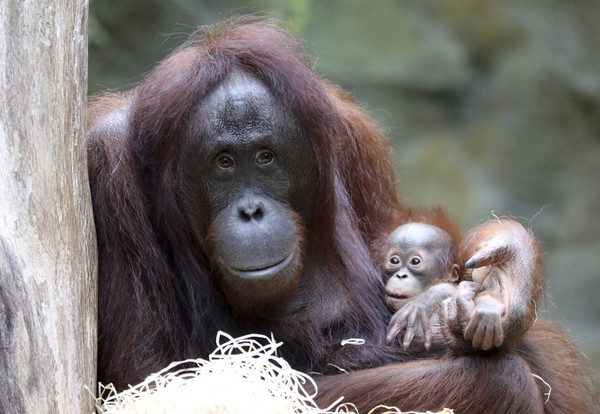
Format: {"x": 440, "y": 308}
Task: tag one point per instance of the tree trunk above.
{"x": 47, "y": 241}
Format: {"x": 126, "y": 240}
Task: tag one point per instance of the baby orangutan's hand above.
{"x": 414, "y": 313}
{"x": 484, "y": 329}
{"x": 418, "y": 311}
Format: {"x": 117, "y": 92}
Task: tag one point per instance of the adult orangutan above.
{"x": 235, "y": 190}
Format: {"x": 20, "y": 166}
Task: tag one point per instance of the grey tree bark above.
{"x": 47, "y": 242}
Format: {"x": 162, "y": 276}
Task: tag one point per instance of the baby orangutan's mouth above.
{"x": 396, "y": 301}
{"x": 395, "y": 296}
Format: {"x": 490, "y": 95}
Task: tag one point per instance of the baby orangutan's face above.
{"x": 408, "y": 273}
{"x": 413, "y": 261}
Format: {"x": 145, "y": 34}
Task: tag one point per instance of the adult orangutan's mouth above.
{"x": 263, "y": 271}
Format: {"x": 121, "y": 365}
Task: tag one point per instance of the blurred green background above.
{"x": 493, "y": 107}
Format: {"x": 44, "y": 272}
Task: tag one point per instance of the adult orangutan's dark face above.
{"x": 248, "y": 181}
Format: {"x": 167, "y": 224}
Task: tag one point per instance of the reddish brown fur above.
{"x": 492, "y": 382}
{"x": 157, "y": 301}
{"x": 484, "y": 383}
{"x": 525, "y": 264}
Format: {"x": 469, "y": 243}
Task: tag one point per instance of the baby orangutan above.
{"x": 419, "y": 272}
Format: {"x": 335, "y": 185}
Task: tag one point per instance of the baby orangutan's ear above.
{"x": 454, "y": 273}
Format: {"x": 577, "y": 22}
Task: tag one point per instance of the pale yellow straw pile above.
{"x": 243, "y": 375}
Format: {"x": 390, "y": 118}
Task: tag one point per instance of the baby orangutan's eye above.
{"x": 394, "y": 260}
{"x": 415, "y": 261}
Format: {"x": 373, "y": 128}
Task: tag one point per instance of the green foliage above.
{"x": 300, "y": 15}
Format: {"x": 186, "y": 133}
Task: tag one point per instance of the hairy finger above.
{"x": 396, "y": 325}
{"x": 426, "y": 330}
{"x": 467, "y": 290}
{"x": 411, "y": 328}
{"x": 391, "y": 335}
{"x": 479, "y": 335}
{"x": 499, "y": 335}
{"x": 494, "y": 253}
{"x": 471, "y": 329}
{"x": 488, "y": 338}
{"x": 464, "y": 300}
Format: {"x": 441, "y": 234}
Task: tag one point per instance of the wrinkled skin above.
{"x": 248, "y": 177}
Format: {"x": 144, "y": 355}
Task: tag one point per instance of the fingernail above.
{"x": 470, "y": 263}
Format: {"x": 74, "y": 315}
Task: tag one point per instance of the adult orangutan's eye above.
{"x": 225, "y": 161}
{"x": 265, "y": 157}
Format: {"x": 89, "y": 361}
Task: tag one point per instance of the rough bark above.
{"x": 47, "y": 242}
